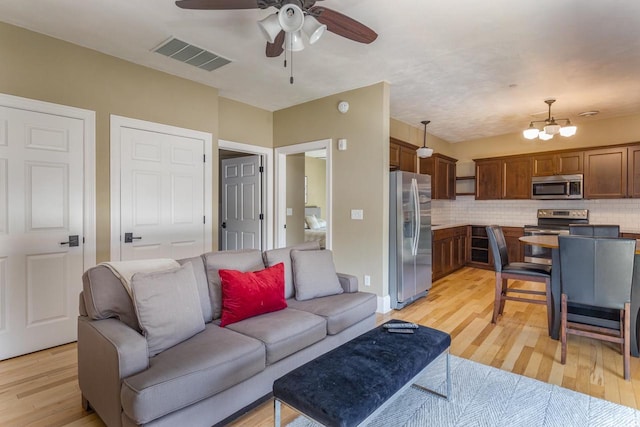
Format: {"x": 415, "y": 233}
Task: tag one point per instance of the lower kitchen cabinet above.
{"x": 479, "y": 253}
{"x": 515, "y": 247}
{"x": 449, "y": 250}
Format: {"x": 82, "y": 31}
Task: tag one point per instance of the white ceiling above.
{"x": 474, "y": 68}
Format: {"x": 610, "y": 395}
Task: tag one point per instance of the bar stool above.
{"x": 526, "y": 271}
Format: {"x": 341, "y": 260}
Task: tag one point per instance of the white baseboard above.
{"x": 384, "y": 304}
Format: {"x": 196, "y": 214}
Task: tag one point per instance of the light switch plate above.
{"x": 289, "y": 211}
{"x": 357, "y": 214}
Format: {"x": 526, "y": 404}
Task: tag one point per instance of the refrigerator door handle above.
{"x": 416, "y": 206}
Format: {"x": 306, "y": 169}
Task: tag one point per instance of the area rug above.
{"x": 485, "y": 396}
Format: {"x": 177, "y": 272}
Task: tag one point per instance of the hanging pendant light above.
{"x": 551, "y": 127}
{"x": 424, "y": 151}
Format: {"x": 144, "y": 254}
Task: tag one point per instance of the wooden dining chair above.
{"x": 594, "y": 230}
{"x": 597, "y": 272}
{"x": 526, "y": 271}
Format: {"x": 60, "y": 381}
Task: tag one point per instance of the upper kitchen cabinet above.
{"x": 566, "y": 163}
{"x": 443, "y": 175}
{"x": 507, "y": 178}
{"x": 516, "y": 178}
{"x": 488, "y": 179}
{"x": 633, "y": 171}
{"x": 402, "y": 156}
{"x": 605, "y": 173}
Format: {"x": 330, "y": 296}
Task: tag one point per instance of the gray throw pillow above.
{"x": 314, "y": 274}
{"x": 168, "y": 307}
{"x": 283, "y": 255}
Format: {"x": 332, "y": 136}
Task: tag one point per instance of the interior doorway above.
{"x": 245, "y": 196}
{"x": 303, "y": 196}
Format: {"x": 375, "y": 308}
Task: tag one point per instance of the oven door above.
{"x": 538, "y": 254}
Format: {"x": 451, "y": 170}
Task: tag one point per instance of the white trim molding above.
{"x": 384, "y": 304}
{"x": 281, "y": 185}
{"x": 267, "y": 196}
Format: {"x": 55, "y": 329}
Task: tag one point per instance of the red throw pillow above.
{"x": 252, "y": 293}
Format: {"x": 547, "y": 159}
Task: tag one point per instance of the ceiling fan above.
{"x": 284, "y": 28}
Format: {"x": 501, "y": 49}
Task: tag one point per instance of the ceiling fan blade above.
{"x": 343, "y": 26}
{"x": 217, "y": 4}
{"x": 275, "y": 49}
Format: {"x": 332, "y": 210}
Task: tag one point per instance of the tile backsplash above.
{"x": 467, "y": 210}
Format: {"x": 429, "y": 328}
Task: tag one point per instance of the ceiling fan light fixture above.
{"x": 291, "y": 18}
{"x": 293, "y": 41}
{"x": 531, "y": 132}
{"x": 313, "y": 29}
{"x": 270, "y": 27}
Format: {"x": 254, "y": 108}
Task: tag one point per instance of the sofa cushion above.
{"x": 168, "y": 306}
{"x": 314, "y": 274}
{"x": 208, "y": 363}
{"x": 203, "y": 286}
{"x": 245, "y": 260}
{"x": 341, "y": 311}
{"x": 283, "y": 255}
{"x": 249, "y": 294}
{"x": 105, "y": 297}
{"x": 283, "y": 332}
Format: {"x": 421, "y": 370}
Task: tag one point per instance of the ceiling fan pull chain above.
{"x": 291, "y": 78}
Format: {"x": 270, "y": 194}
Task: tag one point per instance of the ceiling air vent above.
{"x": 190, "y": 54}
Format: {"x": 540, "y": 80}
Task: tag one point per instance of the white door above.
{"x": 241, "y": 218}
{"x": 162, "y": 211}
{"x": 41, "y": 206}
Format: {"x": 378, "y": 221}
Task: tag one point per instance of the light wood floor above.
{"x": 41, "y": 389}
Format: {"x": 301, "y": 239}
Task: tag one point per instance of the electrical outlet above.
{"x": 357, "y": 214}
{"x": 367, "y": 280}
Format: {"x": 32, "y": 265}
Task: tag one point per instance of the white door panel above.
{"x": 41, "y": 205}
{"x": 162, "y": 195}
{"x": 241, "y": 226}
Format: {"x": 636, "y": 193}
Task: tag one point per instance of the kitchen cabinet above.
{"x": 479, "y": 253}
{"x": 443, "y": 175}
{"x": 449, "y": 251}
{"x": 516, "y": 178}
{"x": 633, "y": 171}
{"x": 515, "y": 248}
{"x": 402, "y": 156}
{"x": 566, "y": 163}
{"x": 488, "y": 179}
{"x": 508, "y": 178}
{"x": 605, "y": 173}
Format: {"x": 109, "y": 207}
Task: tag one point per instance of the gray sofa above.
{"x": 217, "y": 372}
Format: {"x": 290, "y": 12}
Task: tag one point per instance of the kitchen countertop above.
{"x": 445, "y": 226}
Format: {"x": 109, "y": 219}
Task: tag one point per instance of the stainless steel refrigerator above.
{"x": 409, "y": 237}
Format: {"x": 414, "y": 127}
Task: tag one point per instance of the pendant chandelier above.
{"x": 424, "y": 151}
{"x": 550, "y": 128}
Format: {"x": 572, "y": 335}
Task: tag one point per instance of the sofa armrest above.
{"x": 108, "y": 351}
{"x": 348, "y": 282}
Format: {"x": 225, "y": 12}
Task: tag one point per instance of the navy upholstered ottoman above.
{"x": 347, "y": 385}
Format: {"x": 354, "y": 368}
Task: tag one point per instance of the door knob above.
{"x": 73, "y": 241}
{"x": 224, "y": 225}
{"x": 128, "y": 238}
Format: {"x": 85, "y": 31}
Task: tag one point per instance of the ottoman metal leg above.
{"x": 448, "y": 369}
{"x": 276, "y": 412}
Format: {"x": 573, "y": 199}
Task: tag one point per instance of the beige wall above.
{"x": 415, "y": 135}
{"x": 244, "y": 123}
{"x": 316, "y": 173}
{"x": 618, "y": 130}
{"x": 43, "y": 68}
{"x": 295, "y": 198}
{"x": 360, "y": 174}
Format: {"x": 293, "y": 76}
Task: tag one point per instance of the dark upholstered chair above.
{"x": 597, "y": 272}
{"x": 526, "y": 271}
{"x": 594, "y": 230}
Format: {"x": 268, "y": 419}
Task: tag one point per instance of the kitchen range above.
{"x": 551, "y": 222}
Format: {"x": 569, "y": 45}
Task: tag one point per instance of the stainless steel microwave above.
{"x": 556, "y": 187}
